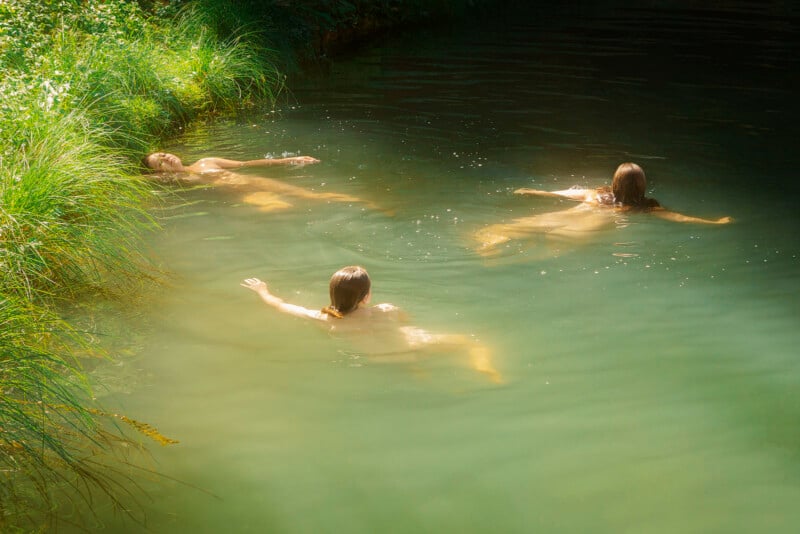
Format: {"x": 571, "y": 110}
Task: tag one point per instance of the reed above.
{"x": 45, "y": 430}
{"x": 69, "y": 211}
{"x": 88, "y": 87}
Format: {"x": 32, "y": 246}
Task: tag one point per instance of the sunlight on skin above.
{"x": 480, "y": 357}
{"x": 371, "y": 321}
{"x": 574, "y": 225}
{"x": 489, "y": 239}
{"x": 481, "y": 361}
{"x": 258, "y": 191}
{"x": 266, "y": 202}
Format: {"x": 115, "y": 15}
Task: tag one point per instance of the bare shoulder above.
{"x": 213, "y": 164}
{"x": 390, "y": 312}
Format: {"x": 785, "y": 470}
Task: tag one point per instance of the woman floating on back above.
{"x": 349, "y": 312}
{"x": 265, "y": 193}
{"x": 626, "y": 194}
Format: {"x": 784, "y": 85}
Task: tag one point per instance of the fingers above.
{"x": 303, "y": 160}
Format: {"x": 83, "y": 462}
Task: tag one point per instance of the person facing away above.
{"x": 265, "y": 193}
{"x": 349, "y": 312}
{"x": 626, "y": 195}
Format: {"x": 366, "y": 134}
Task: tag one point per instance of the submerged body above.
{"x": 598, "y": 209}
{"x": 383, "y": 326}
{"x": 264, "y": 193}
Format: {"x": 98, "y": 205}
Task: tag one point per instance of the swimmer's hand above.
{"x": 302, "y": 160}
{"x": 724, "y": 220}
{"x": 254, "y": 284}
{"x": 538, "y": 192}
{"x": 527, "y": 191}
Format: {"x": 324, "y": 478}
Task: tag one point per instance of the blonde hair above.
{"x": 348, "y": 287}
{"x": 629, "y": 186}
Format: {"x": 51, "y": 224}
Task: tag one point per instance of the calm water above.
{"x": 652, "y": 373}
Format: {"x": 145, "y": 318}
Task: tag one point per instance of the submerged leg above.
{"x": 480, "y": 357}
{"x": 481, "y": 361}
{"x": 339, "y": 197}
{"x": 266, "y": 201}
{"x": 488, "y": 238}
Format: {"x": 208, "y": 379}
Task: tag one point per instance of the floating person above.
{"x": 265, "y": 193}
{"x": 598, "y": 209}
{"x": 349, "y": 313}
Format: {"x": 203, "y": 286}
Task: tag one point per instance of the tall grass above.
{"x": 69, "y": 211}
{"x": 56, "y": 451}
{"x": 40, "y": 414}
{"x": 87, "y": 87}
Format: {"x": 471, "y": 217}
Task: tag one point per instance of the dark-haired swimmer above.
{"x": 265, "y": 193}
{"x": 350, "y": 290}
{"x": 626, "y": 194}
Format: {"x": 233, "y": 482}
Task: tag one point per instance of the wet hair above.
{"x": 629, "y": 185}
{"x": 348, "y": 287}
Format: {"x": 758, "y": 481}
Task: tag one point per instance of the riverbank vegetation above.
{"x": 89, "y": 86}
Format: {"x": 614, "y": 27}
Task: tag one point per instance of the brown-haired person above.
{"x": 349, "y": 312}
{"x": 265, "y": 193}
{"x": 626, "y": 194}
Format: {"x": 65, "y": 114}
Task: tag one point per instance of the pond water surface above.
{"x": 651, "y": 373}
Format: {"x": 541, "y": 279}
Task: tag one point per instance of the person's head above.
{"x": 349, "y": 287}
{"x": 629, "y": 185}
{"x": 163, "y": 162}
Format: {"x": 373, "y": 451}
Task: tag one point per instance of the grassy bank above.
{"x": 88, "y": 87}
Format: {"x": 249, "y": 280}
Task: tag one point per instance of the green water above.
{"x": 655, "y": 391}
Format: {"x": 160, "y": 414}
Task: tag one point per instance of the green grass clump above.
{"x": 56, "y": 451}
{"x": 40, "y": 415}
{"x": 88, "y": 87}
{"x": 69, "y": 211}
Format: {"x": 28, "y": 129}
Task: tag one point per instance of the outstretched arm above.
{"x": 679, "y": 217}
{"x": 573, "y": 193}
{"x": 216, "y": 164}
{"x": 254, "y": 284}
{"x": 296, "y": 160}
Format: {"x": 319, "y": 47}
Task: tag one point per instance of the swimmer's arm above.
{"x": 260, "y": 287}
{"x": 296, "y": 160}
{"x": 679, "y": 217}
{"x": 211, "y": 164}
{"x": 573, "y": 193}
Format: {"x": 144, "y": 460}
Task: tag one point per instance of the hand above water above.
{"x": 302, "y": 160}
{"x": 254, "y": 284}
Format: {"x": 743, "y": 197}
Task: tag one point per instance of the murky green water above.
{"x": 652, "y": 373}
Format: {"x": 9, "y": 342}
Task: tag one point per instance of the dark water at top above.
{"x": 652, "y": 371}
